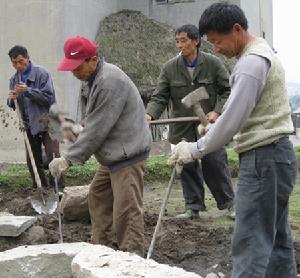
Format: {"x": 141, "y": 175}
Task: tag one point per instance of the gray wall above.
{"x": 43, "y": 26}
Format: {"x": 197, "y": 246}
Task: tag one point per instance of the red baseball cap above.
{"x": 77, "y": 49}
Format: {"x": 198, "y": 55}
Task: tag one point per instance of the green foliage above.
{"x": 15, "y": 175}
{"x": 157, "y": 168}
{"x": 294, "y": 204}
{"x": 233, "y": 160}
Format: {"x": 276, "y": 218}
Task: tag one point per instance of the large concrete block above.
{"x": 40, "y": 261}
{"x": 74, "y": 203}
{"x": 13, "y": 226}
{"x": 99, "y": 261}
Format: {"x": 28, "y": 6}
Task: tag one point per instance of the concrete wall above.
{"x": 260, "y": 17}
{"x": 43, "y": 25}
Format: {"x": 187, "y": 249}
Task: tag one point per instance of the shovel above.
{"x": 42, "y": 205}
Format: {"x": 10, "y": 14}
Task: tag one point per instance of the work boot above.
{"x": 189, "y": 214}
{"x": 231, "y": 213}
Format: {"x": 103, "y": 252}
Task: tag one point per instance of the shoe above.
{"x": 231, "y": 213}
{"x": 189, "y": 214}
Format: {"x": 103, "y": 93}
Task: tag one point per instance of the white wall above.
{"x": 260, "y": 17}
{"x": 42, "y": 26}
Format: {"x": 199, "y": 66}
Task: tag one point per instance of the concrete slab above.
{"x": 13, "y": 226}
{"x": 42, "y": 261}
{"x": 101, "y": 261}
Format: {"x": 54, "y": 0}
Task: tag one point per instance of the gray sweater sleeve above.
{"x": 108, "y": 105}
{"x": 247, "y": 82}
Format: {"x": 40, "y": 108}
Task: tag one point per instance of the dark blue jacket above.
{"x": 37, "y": 100}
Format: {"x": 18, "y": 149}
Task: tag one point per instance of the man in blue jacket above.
{"x": 32, "y": 87}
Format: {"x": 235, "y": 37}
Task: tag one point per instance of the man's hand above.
{"x": 58, "y": 166}
{"x": 12, "y": 95}
{"x": 212, "y": 116}
{"x": 21, "y": 88}
{"x": 148, "y": 118}
{"x": 70, "y": 131}
{"x": 181, "y": 155}
{"x": 203, "y": 129}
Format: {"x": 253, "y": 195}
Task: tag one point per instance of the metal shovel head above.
{"x": 51, "y": 203}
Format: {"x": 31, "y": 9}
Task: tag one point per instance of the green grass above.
{"x": 15, "y": 175}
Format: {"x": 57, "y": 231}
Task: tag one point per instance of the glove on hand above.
{"x": 203, "y": 129}
{"x": 70, "y": 131}
{"x": 58, "y": 166}
{"x": 181, "y": 155}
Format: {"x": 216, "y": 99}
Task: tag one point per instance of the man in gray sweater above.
{"x": 115, "y": 131}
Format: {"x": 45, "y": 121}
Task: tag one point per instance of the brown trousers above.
{"x": 116, "y": 206}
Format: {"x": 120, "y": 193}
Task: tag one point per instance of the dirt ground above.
{"x": 201, "y": 246}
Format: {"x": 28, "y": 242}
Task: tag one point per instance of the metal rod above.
{"x": 61, "y": 240}
{"x": 175, "y": 120}
{"x": 161, "y": 213}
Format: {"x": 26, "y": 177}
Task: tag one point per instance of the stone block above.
{"x": 13, "y": 226}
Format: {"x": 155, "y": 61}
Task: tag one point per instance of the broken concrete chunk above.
{"x": 100, "y": 261}
{"x": 13, "y": 226}
{"x": 42, "y": 261}
{"x": 212, "y": 275}
{"x": 74, "y": 203}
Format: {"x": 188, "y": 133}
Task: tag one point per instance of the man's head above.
{"x": 80, "y": 57}
{"x": 225, "y": 26}
{"x": 19, "y": 57}
{"x": 187, "y": 39}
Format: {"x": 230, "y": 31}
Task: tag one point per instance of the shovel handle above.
{"x": 29, "y": 151}
{"x": 161, "y": 213}
{"x": 28, "y": 147}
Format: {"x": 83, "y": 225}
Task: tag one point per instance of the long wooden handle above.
{"x": 175, "y": 120}
{"x": 28, "y": 146}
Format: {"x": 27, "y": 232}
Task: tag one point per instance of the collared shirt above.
{"x": 38, "y": 98}
{"x": 193, "y": 64}
{"x": 25, "y": 109}
{"x": 26, "y": 73}
{"x": 93, "y": 76}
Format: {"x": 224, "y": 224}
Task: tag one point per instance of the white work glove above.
{"x": 181, "y": 155}
{"x": 203, "y": 129}
{"x": 58, "y": 166}
{"x": 70, "y": 131}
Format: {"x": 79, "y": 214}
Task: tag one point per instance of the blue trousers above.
{"x": 215, "y": 172}
{"x": 262, "y": 245}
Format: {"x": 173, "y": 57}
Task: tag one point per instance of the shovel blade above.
{"x": 51, "y": 203}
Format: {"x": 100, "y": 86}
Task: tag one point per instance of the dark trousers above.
{"x": 215, "y": 172}
{"x": 262, "y": 245}
{"x": 51, "y": 146}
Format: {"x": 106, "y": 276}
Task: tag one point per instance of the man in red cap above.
{"x": 115, "y": 131}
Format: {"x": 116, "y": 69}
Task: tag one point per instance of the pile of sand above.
{"x": 140, "y": 46}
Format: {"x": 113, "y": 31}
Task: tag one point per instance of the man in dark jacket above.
{"x": 115, "y": 131}
{"x": 32, "y": 87}
{"x": 181, "y": 75}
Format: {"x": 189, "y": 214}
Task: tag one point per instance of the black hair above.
{"x": 191, "y": 31}
{"x": 220, "y": 18}
{"x": 17, "y": 50}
